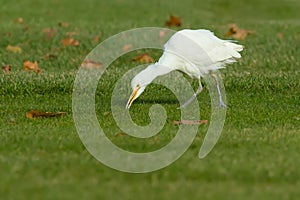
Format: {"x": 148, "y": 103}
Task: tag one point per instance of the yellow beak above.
{"x": 133, "y": 96}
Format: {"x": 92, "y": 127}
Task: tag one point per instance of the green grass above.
{"x": 257, "y": 156}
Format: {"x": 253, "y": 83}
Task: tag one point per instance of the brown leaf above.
{"x": 144, "y": 58}
{"x": 155, "y": 139}
{"x": 63, "y": 24}
{"x": 31, "y": 66}
{"x": 126, "y": 47}
{"x": 279, "y": 35}
{"x": 96, "y": 39}
{"x": 26, "y": 28}
{"x": 106, "y": 113}
{"x": 163, "y": 33}
{"x": 173, "y": 21}
{"x": 121, "y": 134}
{"x": 49, "y": 56}
{"x": 20, "y": 20}
{"x": 6, "y": 68}
{"x": 49, "y": 32}
{"x": 14, "y": 49}
{"x": 71, "y": 33}
{"x": 68, "y": 41}
{"x": 190, "y": 122}
{"x": 90, "y": 64}
{"x": 237, "y": 33}
{"x": 38, "y": 113}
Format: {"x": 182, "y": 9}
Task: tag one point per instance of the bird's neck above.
{"x": 159, "y": 70}
{"x": 152, "y": 72}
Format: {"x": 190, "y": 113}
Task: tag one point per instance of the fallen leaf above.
{"x": 96, "y": 39}
{"x": 63, "y": 24}
{"x": 190, "y": 122}
{"x": 12, "y": 121}
{"x": 31, "y": 66}
{"x": 123, "y": 36}
{"x": 14, "y": 49}
{"x": 20, "y": 20}
{"x": 155, "y": 139}
{"x": 90, "y": 64}
{"x": 279, "y": 35}
{"x": 121, "y": 134}
{"x": 144, "y": 58}
{"x": 173, "y": 21}
{"x": 237, "y": 33}
{"x": 68, "y": 41}
{"x": 162, "y": 33}
{"x": 71, "y": 33}
{"x": 126, "y": 47}
{"x": 37, "y": 113}
{"x": 6, "y": 68}
{"x": 26, "y": 28}
{"x": 49, "y": 56}
{"x": 106, "y": 113}
{"x": 49, "y": 32}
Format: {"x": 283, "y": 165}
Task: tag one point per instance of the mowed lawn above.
{"x": 257, "y": 156}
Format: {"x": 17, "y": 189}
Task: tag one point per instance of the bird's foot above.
{"x": 222, "y": 104}
{"x": 187, "y": 102}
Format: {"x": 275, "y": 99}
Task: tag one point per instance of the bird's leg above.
{"x": 194, "y": 96}
{"x": 221, "y": 103}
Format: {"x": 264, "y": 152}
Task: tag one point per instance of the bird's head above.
{"x": 143, "y": 79}
{"x": 140, "y": 82}
{"x": 137, "y": 90}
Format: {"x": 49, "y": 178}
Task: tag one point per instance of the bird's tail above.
{"x": 236, "y": 47}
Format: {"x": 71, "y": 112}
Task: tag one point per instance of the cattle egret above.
{"x": 194, "y": 52}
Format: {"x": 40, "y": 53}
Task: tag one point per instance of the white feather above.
{"x": 194, "y": 52}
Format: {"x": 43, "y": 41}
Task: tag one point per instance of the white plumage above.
{"x": 194, "y": 52}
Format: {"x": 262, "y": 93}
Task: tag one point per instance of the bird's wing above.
{"x": 203, "y": 48}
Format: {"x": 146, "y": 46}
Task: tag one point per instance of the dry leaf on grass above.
{"x": 38, "y": 113}
{"x": 144, "y": 58}
{"x": 31, "y": 66}
{"x": 90, "y": 64}
{"x": 237, "y": 33}
{"x": 71, "y": 33}
{"x": 63, "y": 24}
{"x": 49, "y": 56}
{"x": 20, "y": 20}
{"x": 121, "y": 134}
{"x": 69, "y": 42}
{"x": 6, "y": 68}
{"x": 14, "y": 49}
{"x": 96, "y": 39}
{"x": 49, "y": 32}
{"x": 173, "y": 21}
{"x": 190, "y": 122}
{"x": 279, "y": 35}
{"x": 26, "y": 28}
{"x": 126, "y": 47}
{"x": 163, "y": 33}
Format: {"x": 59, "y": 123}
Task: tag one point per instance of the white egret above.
{"x": 194, "y": 52}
